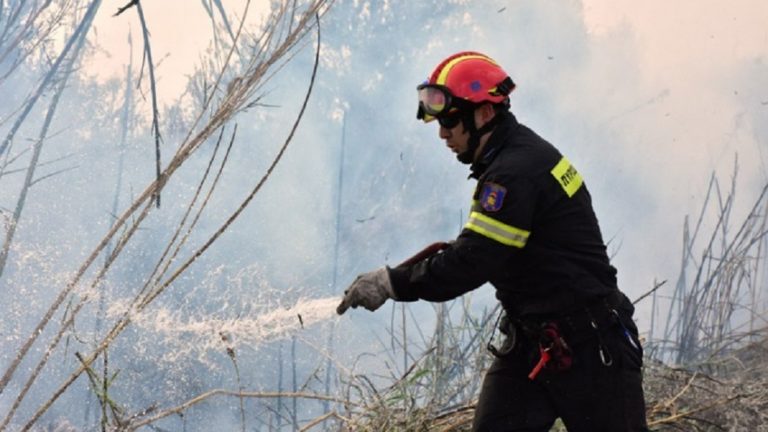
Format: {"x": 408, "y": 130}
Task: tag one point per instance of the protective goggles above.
{"x": 434, "y": 100}
{"x": 437, "y": 102}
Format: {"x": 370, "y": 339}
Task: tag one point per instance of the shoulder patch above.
{"x": 565, "y": 174}
{"x": 492, "y": 196}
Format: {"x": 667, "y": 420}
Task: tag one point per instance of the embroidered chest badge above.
{"x": 492, "y": 197}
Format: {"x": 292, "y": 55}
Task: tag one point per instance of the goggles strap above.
{"x": 468, "y": 119}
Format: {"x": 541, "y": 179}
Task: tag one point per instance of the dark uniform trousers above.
{"x": 589, "y": 397}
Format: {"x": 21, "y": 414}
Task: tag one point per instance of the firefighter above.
{"x": 571, "y": 349}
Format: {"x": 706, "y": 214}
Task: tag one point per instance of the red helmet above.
{"x": 461, "y": 80}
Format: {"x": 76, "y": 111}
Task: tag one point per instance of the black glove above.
{"x": 370, "y": 290}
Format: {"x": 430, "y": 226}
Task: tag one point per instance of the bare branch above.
{"x": 651, "y": 291}
{"x": 129, "y": 5}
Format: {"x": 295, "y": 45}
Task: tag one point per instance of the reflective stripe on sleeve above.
{"x": 495, "y": 230}
{"x": 565, "y": 174}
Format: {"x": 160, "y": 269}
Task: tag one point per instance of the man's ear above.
{"x": 484, "y": 114}
{"x": 490, "y": 111}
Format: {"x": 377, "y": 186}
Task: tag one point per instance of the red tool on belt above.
{"x": 554, "y": 354}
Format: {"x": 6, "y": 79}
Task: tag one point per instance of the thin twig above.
{"x": 651, "y": 291}
{"x": 322, "y": 419}
{"x": 153, "y": 91}
{"x": 223, "y": 392}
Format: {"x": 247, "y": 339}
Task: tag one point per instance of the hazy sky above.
{"x": 670, "y": 36}
{"x": 180, "y": 33}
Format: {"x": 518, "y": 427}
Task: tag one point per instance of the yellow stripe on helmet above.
{"x": 443, "y": 76}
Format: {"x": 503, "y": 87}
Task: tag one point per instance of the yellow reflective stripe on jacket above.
{"x": 495, "y": 230}
{"x": 567, "y": 176}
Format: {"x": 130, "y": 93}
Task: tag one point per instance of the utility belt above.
{"x": 585, "y": 323}
{"x": 555, "y": 336}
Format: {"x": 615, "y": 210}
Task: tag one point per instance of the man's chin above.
{"x": 464, "y": 158}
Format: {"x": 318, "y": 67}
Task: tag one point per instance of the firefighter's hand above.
{"x": 369, "y": 290}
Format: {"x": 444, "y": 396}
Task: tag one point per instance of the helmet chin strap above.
{"x": 468, "y": 120}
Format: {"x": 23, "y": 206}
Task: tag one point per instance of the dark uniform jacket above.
{"x": 531, "y": 233}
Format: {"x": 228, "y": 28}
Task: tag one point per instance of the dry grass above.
{"x": 730, "y": 394}
{"x": 733, "y": 396}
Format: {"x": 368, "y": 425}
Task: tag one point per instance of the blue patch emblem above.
{"x": 475, "y": 86}
{"x": 492, "y": 197}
